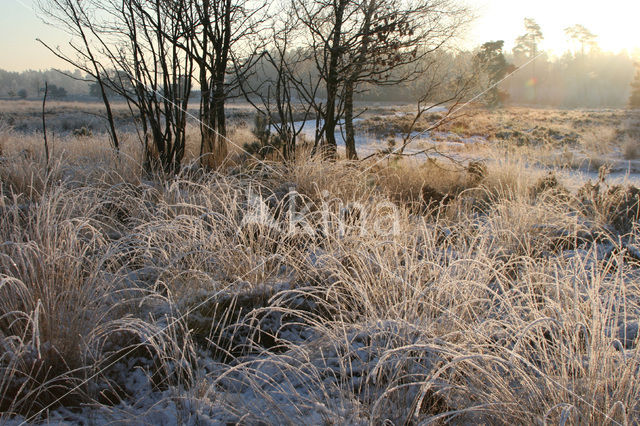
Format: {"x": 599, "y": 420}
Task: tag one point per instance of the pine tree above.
{"x": 490, "y": 61}
{"x": 634, "y": 100}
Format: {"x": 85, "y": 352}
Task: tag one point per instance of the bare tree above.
{"x": 277, "y": 90}
{"x": 160, "y": 73}
{"x": 372, "y": 42}
{"x": 73, "y": 16}
{"x": 324, "y": 20}
{"x": 131, "y": 48}
{"x": 393, "y": 45}
{"x": 220, "y": 34}
{"x": 148, "y": 51}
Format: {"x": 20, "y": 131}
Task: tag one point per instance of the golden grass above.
{"x": 599, "y": 140}
{"x": 312, "y": 292}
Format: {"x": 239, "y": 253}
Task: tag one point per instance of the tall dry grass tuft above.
{"x": 499, "y": 321}
{"x": 631, "y": 148}
{"x": 5, "y": 134}
{"x": 315, "y": 292}
{"x": 599, "y": 140}
{"x": 404, "y": 182}
{"x": 61, "y": 302}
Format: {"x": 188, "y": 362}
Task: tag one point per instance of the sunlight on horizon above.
{"x": 612, "y": 24}
{"x": 496, "y": 20}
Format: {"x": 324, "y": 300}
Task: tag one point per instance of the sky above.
{"x": 615, "y": 22}
{"x": 19, "y": 28}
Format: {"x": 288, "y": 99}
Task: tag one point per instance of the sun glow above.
{"x": 614, "y": 23}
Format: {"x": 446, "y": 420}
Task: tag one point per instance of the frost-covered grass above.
{"x": 313, "y": 293}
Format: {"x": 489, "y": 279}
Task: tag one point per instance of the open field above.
{"x": 493, "y": 283}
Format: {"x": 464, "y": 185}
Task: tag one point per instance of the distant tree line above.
{"x": 582, "y": 77}
{"x": 597, "y": 79}
{"x": 30, "y": 84}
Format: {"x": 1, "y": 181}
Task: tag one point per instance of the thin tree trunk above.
{"x": 331, "y": 146}
{"x": 220, "y": 142}
{"x": 214, "y": 149}
{"x": 103, "y": 93}
{"x": 350, "y": 140}
{"x": 353, "y": 78}
{"x": 44, "y": 124}
{"x": 332, "y": 85}
{"x": 208, "y": 145}
{"x": 204, "y": 109}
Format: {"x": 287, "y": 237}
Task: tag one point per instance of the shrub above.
{"x": 548, "y": 185}
{"x": 56, "y": 92}
{"x": 631, "y": 148}
{"x": 266, "y": 143}
{"x": 477, "y": 171}
{"x": 617, "y": 206}
{"x": 82, "y": 132}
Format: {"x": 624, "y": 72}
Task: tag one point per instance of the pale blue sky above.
{"x": 613, "y": 21}
{"x": 19, "y": 28}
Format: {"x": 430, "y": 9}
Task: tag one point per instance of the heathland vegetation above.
{"x": 168, "y": 258}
